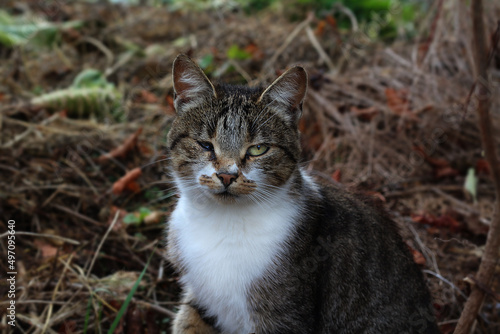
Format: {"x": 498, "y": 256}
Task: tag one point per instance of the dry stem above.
{"x": 490, "y": 257}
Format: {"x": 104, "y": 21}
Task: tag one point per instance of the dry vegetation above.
{"x": 385, "y": 120}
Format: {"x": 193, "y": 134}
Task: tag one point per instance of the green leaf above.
{"x": 206, "y": 61}
{"x": 90, "y": 78}
{"x": 87, "y": 315}
{"x": 132, "y": 218}
{"x": 470, "y": 184}
{"x": 143, "y": 213}
{"x": 82, "y": 102}
{"x": 20, "y": 30}
{"x": 236, "y": 53}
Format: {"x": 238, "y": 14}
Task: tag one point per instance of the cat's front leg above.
{"x": 189, "y": 321}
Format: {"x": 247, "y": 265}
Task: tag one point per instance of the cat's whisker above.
{"x": 155, "y": 162}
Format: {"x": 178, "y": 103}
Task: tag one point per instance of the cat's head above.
{"x": 234, "y": 144}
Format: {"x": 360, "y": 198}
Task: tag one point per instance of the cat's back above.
{"x": 369, "y": 280}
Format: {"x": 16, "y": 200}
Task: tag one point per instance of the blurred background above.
{"x": 86, "y": 103}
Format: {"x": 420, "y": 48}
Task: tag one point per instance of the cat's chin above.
{"x": 226, "y": 197}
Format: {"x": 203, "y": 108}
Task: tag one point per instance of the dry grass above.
{"x": 364, "y": 117}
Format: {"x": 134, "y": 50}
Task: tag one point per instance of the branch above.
{"x": 483, "y": 96}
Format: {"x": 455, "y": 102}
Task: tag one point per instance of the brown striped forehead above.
{"x": 235, "y": 120}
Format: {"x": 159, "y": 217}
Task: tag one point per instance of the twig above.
{"x": 458, "y": 203}
{"x": 432, "y": 33}
{"x": 82, "y": 175}
{"x": 102, "y": 242}
{"x": 241, "y": 71}
{"x": 76, "y": 214}
{"x": 51, "y": 305}
{"x": 490, "y": 255}
{"x": 41, "y": 235}
{"x": 31, "y": 128}
{"x": 453, "y": 286}
{"x": 319, "y": 49}
{"x": 157, "y": 308}
{"x": 343, "y": 9}
{"x": 287, "y": 41}
{"x": 104, "y": 49}
{"x": 472, "y": 280}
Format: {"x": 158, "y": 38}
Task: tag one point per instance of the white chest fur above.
{"x": 224, "y": 249}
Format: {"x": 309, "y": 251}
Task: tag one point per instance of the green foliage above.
{"x": 87, "y": 315}
{"x": 90, "y": 78}
{"x": 206, "y": 61}
{"x": 90, "y": 94}
{"x": 236, "y": 53}
{"x": 383, "y": 19}
{"x": 21, "y": 30}
{"x": 470, "y": 184}
{"x": 137, "y": 218}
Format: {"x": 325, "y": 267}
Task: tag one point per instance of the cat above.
{"x": 259, "y": 244}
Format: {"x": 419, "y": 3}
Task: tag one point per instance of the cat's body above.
{"x": 260, "y": 246}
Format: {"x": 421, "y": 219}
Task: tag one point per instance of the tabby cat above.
{"x": 261, "y": 246}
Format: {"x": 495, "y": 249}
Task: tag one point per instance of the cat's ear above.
{"x": 191, "y": 86}
{"x": 287, "y": 93}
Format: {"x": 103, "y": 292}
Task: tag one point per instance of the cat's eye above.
{"x": 256, "y": 150}
{"x": 206, "y": 145}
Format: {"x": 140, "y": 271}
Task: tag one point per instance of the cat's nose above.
{"x": 227, "y": 179}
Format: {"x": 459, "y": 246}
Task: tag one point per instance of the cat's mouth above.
{"x": 226, "y": 195}
{"x": 230, "y": 193}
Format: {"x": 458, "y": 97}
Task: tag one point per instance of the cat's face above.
{"x": 234, "y": 144}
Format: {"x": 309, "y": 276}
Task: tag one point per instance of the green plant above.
{"x": 21, "y": 30}
{"x": 89, "y": 94}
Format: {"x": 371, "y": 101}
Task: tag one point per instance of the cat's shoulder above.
{"x": 350, "y": 207}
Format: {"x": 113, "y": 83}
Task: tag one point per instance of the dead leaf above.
{"x": 153, "y": 218}
{"x": 331, "y": 21}
{"x": 320, "y": 28}
{"x": 45, "y": 248}
{"x": 418, "y": 258}
{"x": 133, "y": 186}
{"x": 445, "y": 221}
{"x": 170, "y": 101}
{"x": 376, "y": 194}
{"x": 336, "y": 175}
{"x": 445, "y": 172}
{"x": 254, "y": 50}
{"x": 435, "y": 162}
{"x": 482, "y": 166}
{"x": 123, "y": 149}
{"x": 148, "y": 97}
{"x": 398, "y": 102}
{"x": 441, "y": 166}
{"x": 123, "y": 182}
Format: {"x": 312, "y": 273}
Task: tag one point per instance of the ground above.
{"x": 83, "y": 172}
